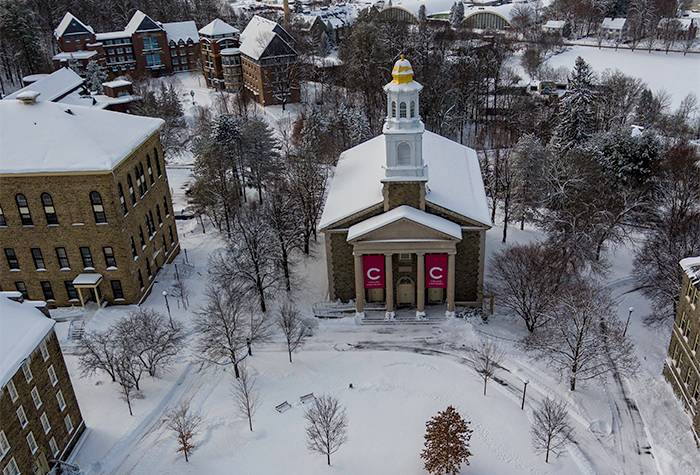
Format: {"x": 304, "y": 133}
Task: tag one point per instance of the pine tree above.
{"x": 447, "y": 438}
{"x": 457, "y": 14}
{"x": 576, "y": 110}
{"x": 648, "y": 109}
{"x": 422, "y": 17}
{"x": 94, "y": 77}
{"x": 19, "y": 30}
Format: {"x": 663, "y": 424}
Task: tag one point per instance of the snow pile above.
{"x": 22, "y": 329}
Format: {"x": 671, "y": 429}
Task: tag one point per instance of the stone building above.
{"x": 682, "y": 366}
{"x": 406, "y": 215}
{"x": 144, "y": 47}
{"x": 216, "y": 37}
{"x": 40, "y": 417}
{"x": 85, "y": 206}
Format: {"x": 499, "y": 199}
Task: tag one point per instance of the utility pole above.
{"x": 167, "y": 305}
{"x": 627, "y": 323}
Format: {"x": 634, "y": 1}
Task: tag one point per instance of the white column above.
{"x": 451, "y": 284}
{"x": 389, "y": 286}
{"x": 359, "y": 286}
{"x": 420, "y": 285}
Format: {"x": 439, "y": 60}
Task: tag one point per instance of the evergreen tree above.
{"x": 457, "y": 14}
{"x": 447, "y": 437}
{"x": 19, "y": 31}
{"x": 422, "y": 17}
{"x": 576, "y": 110}
{"x": 648, "y": 109}
{"x": 94, "y": 76}
{"x": 529, "y": 157}
{"x": 261, "y": 152}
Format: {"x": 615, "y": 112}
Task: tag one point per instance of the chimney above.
{"x": 28, "y": 97}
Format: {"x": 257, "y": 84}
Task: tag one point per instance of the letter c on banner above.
{"x": 373, "y": 273}
{"x": 436, "y": 273}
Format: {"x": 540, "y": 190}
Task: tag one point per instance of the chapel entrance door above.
{"x": 406, "y": 292}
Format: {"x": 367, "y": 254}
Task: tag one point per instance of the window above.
{"x": 44, "y": 350}
{"x": 165, "y": 243}
{"x": 153, "y": 223}
{"x": 49, "y": 210}
{"x": 22, "y": 417}
{"x": 132, "y": 194}
{"x": 172, "y": 237}
{"x": 148, "y": 270}
{"x": 393, "y": 108}
{"x": 35, "y": 397}
{"x": 165, "y": 206}
{"x": 404, "y": 154}
{"x": 45, "y": 423}
{"x": 117, "y": 291}
{"x": 150, "y": 42}
{"x": 143, "y": 240}
{"x": 61, "y": 401}
{"x": 160, "y": 218}
{"x": 140, "y": 280}
{"x": 149, "y": 168}
{"x": 3, "y": 222}
{"x": 27, "y": 371}
{"x": 134, "y": 253}
{"x": 4, "y": 444}
{"x": 404, "y": 257}
{"x": 11, "y": 468}
{"x": 32, "y": 443}
{"x": 23, "y": 207}
{"x": 98, "y": 209}
{"x": 413, "y": 108}
{"x": 143, "y": 187}
{"x": 38, "y": 258}
{"x": 12, "y": 261}
{"x": 22, "y": 288}
{"x": 62, "y": 256}
{"x": 53, "y": 447}
{"x": 47, "y": 290}
{"x": 155, "y": 153}
{"x": 110, "y": 261}
{"x": 12, "y": 391}
{"x": 52, "y": 375}
{"x": 69, "y": 423}
{"x": 70, "y": 290}
{"x": 402, "y": 110}
{"x": 122, "y": 200}
{"x": 86, "y": 255}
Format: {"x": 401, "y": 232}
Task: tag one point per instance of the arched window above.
{"x": 404, "y": 154}
{"x": 402, "y": 110}
{"x": 393, "y": 108}
{"x": 122, "y": 200}
{"x": 413, "y": 109}
{"x": 132, "y": 193}
{"x": 49, "y": 210}
{"x": 98, "y": 209}
{"x": 23, "y": 208}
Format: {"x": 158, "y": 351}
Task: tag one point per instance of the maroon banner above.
{"x": 436, "y": 271}
{"x": 373, "y": 266}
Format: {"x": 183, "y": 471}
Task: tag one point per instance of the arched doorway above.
{"x": 406, "y": 292}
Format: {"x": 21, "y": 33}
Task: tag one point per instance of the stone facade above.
{"x": 78, "y": 228}
{"x": 39, "y": 462}
{"x": 404, "y": 193}
{"x": 682, "y": 366}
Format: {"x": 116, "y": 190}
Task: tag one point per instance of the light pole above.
{"x": 629, "y": 315}
{"x": 167, "y": 305}
{"x": 522, "y": 403}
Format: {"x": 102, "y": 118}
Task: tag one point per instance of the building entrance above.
{"x": 406, "y": 292}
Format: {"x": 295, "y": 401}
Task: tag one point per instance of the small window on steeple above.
{"x": 402, "y": 110}
{"x": 393, "y": 108}
{"x": 413, "y": 109}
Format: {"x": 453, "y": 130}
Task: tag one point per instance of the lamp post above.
{"x": 167, "y": 305}
{"x": 522, "y": 403}
{"x": 629, "y": 315}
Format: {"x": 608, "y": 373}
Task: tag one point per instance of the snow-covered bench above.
{"x": 285, "y": 406}
{"x": 306, "y": 398}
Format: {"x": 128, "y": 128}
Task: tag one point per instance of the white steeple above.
{"x": 403, "y": 129}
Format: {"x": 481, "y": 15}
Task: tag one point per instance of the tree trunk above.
{"x": 485, "y": 381}
{"x": 235, "y": 370}
{"x": 285, "y": 268}
{"x": 289, "y": 350}
{"x": 328, "y": 458}
{"x": 250, "y": 422}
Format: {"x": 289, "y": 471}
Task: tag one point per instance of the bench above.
{"x": 306, "y": 398}
{"x": 285, "y": 406}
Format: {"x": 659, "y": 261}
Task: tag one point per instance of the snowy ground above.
{"x": 402, "y": 375}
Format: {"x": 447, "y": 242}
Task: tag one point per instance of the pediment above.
{"x": 404, "y": 229}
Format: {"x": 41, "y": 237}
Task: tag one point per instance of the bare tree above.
{"x": 551, "y": 430}
{"x": 294, "y": 328}
{"x": 98, "y": 351}
{"x": 327, "y": 426}
{"x": 181, "y": 292}
{"x": 185, "y": 423}
{"x": 285, "y": 221}
{"x": 583, "y": 337}
{"x": 246, "y": 395}
{"x": 224, "y": 330}
{"x": 123, "y": 373}
{"x": 487, "y": 356}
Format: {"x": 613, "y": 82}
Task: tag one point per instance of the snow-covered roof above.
{"x": 218, "y": 27}
{"x": 691, "y": 266}
{"x": 257, "y": 36}
{"x": 112, "y": 35}
{"x": 51, "y": 137}
{"x": 412, "y": 6}
{"x": 409, "y": 213}
{"x": 69, "y": 20}
{"x": 229, "y": 51}
{"x": 78, "y": 55}
{"x": 554, "y": 24}
{"x": 613, "y": 23}
{"x": 455, "y": 180}
{"x": 181, "y": 30}
{"x": 117, "y": 83}
{"x": 87, "y": 278}
{"x": 136, "y": 21}
{"x": 52, "y": 87}
{"x": 22, "y": 328}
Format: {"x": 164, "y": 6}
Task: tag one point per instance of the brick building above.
{"x": 214, "y": 38}
{"x": 144, "y": 47}
{"x": 396, "y": 235}
{"x": 85, "y": 206}
{"x": 682, "y": 366}
{"x": 41, "y": 419}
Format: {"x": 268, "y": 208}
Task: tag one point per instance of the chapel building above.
{"x": 406, "y": 216}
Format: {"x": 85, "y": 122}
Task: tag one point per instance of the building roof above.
{"x": 141, "y": 22}
{"x": 77, "y": 55}
{"x": 181, "y": 30}
{"x": 554, "y": 24}
{"x": 409, "y": 213}
{"x": 218, "y": 27}
{"x": 71, "y": 25}
{"x": 51, "y": 137}
{"x": 691, "y": 266}
{"x": 111, "y": 35}
{"x": 117, "y": 83}
{"x": 22, "y": 328}
{"x": 52, "y": 87}
{"x": 87, "y": 279}
{"x": 613, "y": 23}
{"x": 261, "y": 33}
{"x": 455, "y": 180}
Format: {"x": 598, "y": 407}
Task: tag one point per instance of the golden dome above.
{"x": 402, "y": 72}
